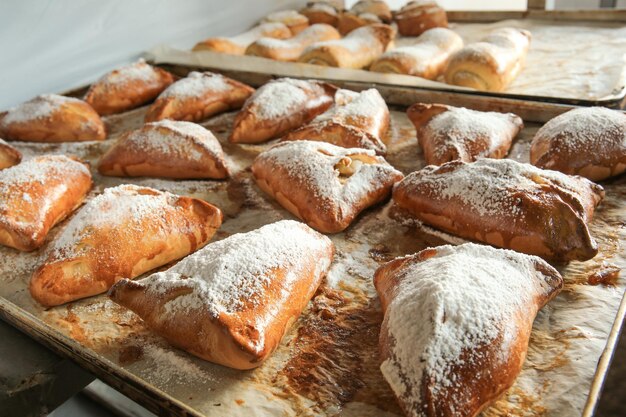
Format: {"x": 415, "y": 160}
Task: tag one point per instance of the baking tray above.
{"x": 328, "y": 363}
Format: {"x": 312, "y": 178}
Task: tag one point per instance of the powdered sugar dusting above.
{"x": 280, "y": 97}
{"x": 287, "y": 17}
{"x": 171, "y": 366}
{"x": 196, "y": 84}
{"x": 139, "y": 70}
{"x": 38, "y": 108}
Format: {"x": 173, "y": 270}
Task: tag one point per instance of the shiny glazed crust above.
{"x": 9, "y": 156}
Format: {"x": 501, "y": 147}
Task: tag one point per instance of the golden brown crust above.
{"x": 236, "y": 45}
{"x": 291, "y": 49}
{"x": 416, "y": 17}
{"x": 9, "y": 156}
{"x": 36, "y": 195}
{"x": 295, "y": 21}
{"x": 321, "y": 12}
{"x": 364, "y": 12}
{"x": 349, "y": 22}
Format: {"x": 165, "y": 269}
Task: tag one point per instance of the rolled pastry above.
{"x": 364, "y": 12}
{"x": 356, "y": 120}
{"x": 290, "y": 18}
{"x": 236, "y": 45}
{"x": 416, "y": 17}
{"x": 291, "y": 49}
{"x": 279, "y": 107}
{"x": 446, "y": 133}
{"x": 357, "y": 50}
{"x": 588, "y": 141}
{"x": 321, "y": 12}
{"x": 426, "y": 58}
{"x": 122, "y": 233}
{"x": 232, "y": 302}
{"x": 457, "y": 325}
{"x": 198, "y": 96}
{"x": 127, "y": 87}
{"x": 167, "y": 149}
{"x": 506, "y": 204}
{"x": 491, "y": 64}
{"x": 52, "y": 118}
{"x": 36, "y": 195}
{"x": 324, "y": 185}
{"x": 9, "y": 156}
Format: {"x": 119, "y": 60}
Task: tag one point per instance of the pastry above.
{"x": 324, "y": 185}
{"x": 290, "y": 18}
{"x": 127, "y": 87}
{"x": 36, "y": 195}
{"x": 356, "y": 120}
{"x": 492, "y": 63}
{"x": 9, "y": 156}
{"x": 588, "y": 141}
{"x": 232, "y": 302}
{"x": 416, "y": 17}
{"x": 52, "y": 118}
{"x": 427, "y": 57}
{"x": 321, "y": 12}
{"x": 506, "y": 204}
{"x": 199, "y": 96}
{"x": 122, "y": 233}
{"x": 279, "y": 107}
{"x": 446, "y": 133}
{"x": 291, "y": 49}
{"x": 166, "y": 149}
{"x": 457, "y": 323}
{"x": 357, "y": 50}
{"x": 236, "y": 45}
{"x": 364, "y": 12}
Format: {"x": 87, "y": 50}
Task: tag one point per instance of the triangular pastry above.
{"x": 232, "y": 302}
{"x": 279, "y": 107}
{"x": 457, "y": 325}
{"x": 291, "y": 49}
{"x": 446, "y": 133}
{"x": 236, "y": 45}
{"x": 198, "y": 96}
{"x": 356, "y": 120}
{"x": 52, "y": 118}
{"x": 321, "y": 12}
{"x": 295, "y": 21}
{"x": 9, "y": 156}
{"x": 325, "y": 185}
{"x": 122, "y": 233}
{"x": 167, "y": 149}
{"x": 37, "y": 194}
{"x": 127, "y": 87}
{"x": 506, "y": 204}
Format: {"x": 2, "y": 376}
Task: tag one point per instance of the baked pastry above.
{"x": 122, "y": 233}
{"x": 357, "y": 50}
{"x": 36, "y": 195}
{"x": 321, "y": 12}
{"x": 199, "y": 96}
{"x": 279, "y": 107}
{"x": 128, "y": 87}
{"x": 426, "y": 58}
{"x": 52, "y": 118}
{"x": 356, "y": 120}
{"x": 492, "y": 63}
{"x": 506, "y": 204}
{"x": 236, "y": 45}
{"x": 364, "y": 12}
{"x": 9, "y": 156}
{"x": 290, "y": 18}
{"x": 457, "y": 324}
{"x": 324, "y": 185}
{"x": 588, "y": 141}
{"x": 166, "y": 149}
{"x": 232, "y": 302}
{"x": 416, "y": 17}
{"x": 291, "y": 49}
{"x": 446, "y": 133}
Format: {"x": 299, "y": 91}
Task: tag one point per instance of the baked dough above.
{"x": 446, "y": 133}
{"x": 168, "y": 149}
{"x": 232, "y": 302}
{"x": 321, "y": 12}
{"x": 291, "y": 18}
{"x": 427, "y": 57}
{"x": 492, "y": 63}
{"x": 457, "y": 324}
{"x": 199, "y": 96}
{"x": 356, "y": 120}
{"x": 291, "y": 49}
{"x": 122, "y": 233}
{"x": 128, "y": 87}
{"x": 416, "y": 17}
{"x": 9, "y": 156}
{"x": 324, "y": 185}
{"x": 279, "y": 107}
{"x": 506, "y": 204}
{"x": 357, "y": 50}
{"x": 52, "y": 118}
{"x": 364, "y": 12}
{"x": 236, "y": 45}
{"x": 36, "y": 195}
{"x": 588, "y": 141}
